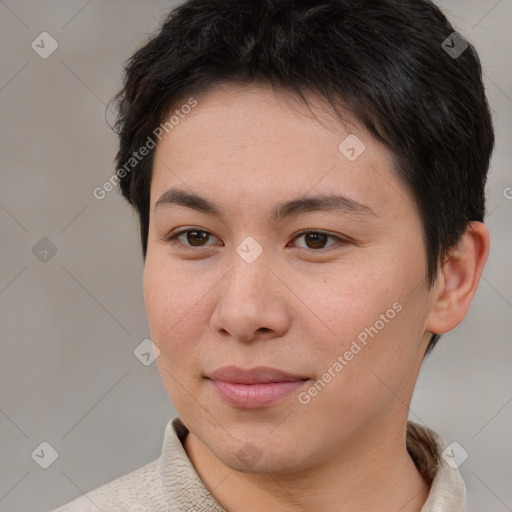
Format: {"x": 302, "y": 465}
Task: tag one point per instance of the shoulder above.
{"x": 137, "y": 491}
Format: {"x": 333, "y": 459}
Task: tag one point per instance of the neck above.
{"x": 374, "y": 473}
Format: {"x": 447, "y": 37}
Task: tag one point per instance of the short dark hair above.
{"x": 383, "y": 61}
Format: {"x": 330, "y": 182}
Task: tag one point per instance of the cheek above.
{"x": 168, "y": 297}
{"x": 366, "y": 372}
{"x": 176, "y": 300}
{"x": 350, "y": 301}
{"x": 375, "y": 327}
{"x": 171, "y": 293}
{"x": 157, "y": 296}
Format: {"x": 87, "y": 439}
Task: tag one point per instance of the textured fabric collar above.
{"x": 179, "y": 479}
{"x": 425, "y": 446}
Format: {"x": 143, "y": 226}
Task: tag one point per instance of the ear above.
{"x": 458, "y": 279}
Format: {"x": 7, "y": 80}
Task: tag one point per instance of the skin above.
{"x": 298, "y": 306}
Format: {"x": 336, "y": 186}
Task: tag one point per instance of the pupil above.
{"x": 317, "y": 235}
{"x": 193, "y": 238}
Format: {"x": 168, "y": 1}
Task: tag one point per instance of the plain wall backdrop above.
{"x": 71, "y": 303}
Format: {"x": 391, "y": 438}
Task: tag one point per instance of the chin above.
{"x": 259, "y": 456}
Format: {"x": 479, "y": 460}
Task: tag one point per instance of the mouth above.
{"x": 254, "y": 388}
{"x": 258, "y": 375}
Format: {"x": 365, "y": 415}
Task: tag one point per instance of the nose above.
{"x": 252, "y": 303}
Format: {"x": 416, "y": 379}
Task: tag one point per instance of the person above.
{"x": 309, "y": 178}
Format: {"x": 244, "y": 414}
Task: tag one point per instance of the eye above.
{"x": 194, "y": 237}
{"x": 317, "y": 239}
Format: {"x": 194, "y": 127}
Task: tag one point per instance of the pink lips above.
{"x": 254, "y": 388}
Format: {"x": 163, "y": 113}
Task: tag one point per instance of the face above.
{"x": 331, "y": 292}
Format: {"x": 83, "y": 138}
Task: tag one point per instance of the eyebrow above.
{"x": 332, "y": 202}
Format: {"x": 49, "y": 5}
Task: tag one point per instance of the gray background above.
{"x": 69, "y": 325}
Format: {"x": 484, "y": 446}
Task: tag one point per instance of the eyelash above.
{"x": 172, "y": 238}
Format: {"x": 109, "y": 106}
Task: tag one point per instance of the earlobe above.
{"x": 458, "y": 279}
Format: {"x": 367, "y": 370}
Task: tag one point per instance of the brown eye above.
{"x": 195, "y": 238}
{"x": 316, "y": 240}
{"x": 189, "y": 238}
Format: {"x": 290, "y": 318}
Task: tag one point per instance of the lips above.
{"x": 254, "y": 388}
{"x": 258, "y": 375}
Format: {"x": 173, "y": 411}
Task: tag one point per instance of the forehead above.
{"x": 253, "y": 141}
